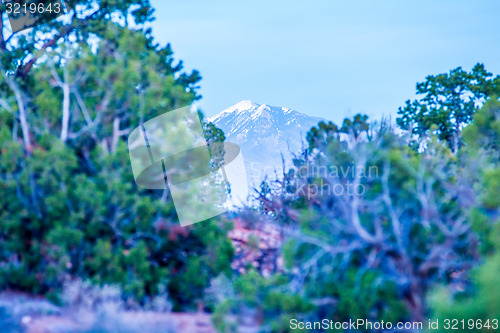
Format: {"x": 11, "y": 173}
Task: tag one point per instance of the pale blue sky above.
{"x": 326, "y": 58}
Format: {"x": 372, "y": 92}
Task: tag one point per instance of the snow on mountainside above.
{"x": 264, "y": 133}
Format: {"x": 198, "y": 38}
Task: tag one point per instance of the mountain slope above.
{"x": 264, "y": 133}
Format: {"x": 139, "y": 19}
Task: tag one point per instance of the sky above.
{"x": 326, "y": 58}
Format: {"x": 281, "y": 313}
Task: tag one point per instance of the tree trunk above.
{"x": 22, "y": 114}
{"x": 66, "y": 107}
{"x": 415, "y": 302}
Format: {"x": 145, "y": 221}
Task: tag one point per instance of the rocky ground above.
{"x": 25, "y": 313}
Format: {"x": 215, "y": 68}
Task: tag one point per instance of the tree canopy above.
{"x": 449, "y": 102}
{"x": 69, "y": 207}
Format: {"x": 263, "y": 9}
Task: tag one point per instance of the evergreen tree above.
{"x": 69, "y": 206}
{"x": 449, "y": 102}
{"x": 477, "y": 303}
{"x": 369, "y": 225}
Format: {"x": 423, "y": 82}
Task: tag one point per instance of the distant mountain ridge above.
{"x": 264, "y": 133}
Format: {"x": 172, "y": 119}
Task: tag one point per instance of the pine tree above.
{"x": 69, "y": 206}
{"x": 449, "y": 102}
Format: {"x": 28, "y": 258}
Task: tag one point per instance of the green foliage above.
{"x": 484, "y": 133}
{"x": 477, "y": 302}
{"x": 262, "y": 298}
{"x": 69, "y": 206}
{"x": 363, "y": 217}
{"x": 450, "y": 102}
{"x": 327, "y": 134}
{"x": 100, "y": 227}
{"x": 479, "y": 305}
{"x": 482, "y": 139}
{"x": 86, "y": 19}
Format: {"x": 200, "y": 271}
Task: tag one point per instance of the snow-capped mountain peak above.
{"x": 264, "y": 133}
{"x": 238, "y": 107}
